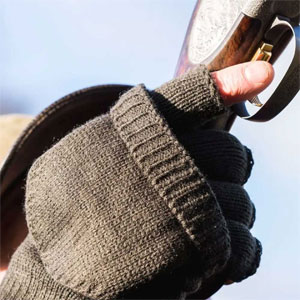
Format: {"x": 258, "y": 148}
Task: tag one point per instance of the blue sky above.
{"x": 51, "y": 48}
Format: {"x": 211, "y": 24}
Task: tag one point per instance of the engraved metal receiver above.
{"x": 229, "y": 32}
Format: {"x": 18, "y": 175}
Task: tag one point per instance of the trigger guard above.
{"x": 285, "y": 92}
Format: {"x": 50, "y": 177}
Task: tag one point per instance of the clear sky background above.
{"x": 52, "y": 48}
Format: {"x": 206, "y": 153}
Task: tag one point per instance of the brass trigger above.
{"x": 264, "y": 52}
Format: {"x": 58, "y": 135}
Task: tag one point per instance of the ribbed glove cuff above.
{"x": 174, "y": 175}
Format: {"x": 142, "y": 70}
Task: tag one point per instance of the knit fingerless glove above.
{"x": 119, "y": 203}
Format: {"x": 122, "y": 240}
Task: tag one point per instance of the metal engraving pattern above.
{"x": 212, "y": 23}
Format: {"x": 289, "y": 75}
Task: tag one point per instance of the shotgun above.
{"x": 228, "y": 32}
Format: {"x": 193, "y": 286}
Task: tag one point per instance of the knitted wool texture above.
{"x": 119, "y": 200}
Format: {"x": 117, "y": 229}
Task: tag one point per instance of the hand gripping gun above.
{"x": 228, "y": 32}
{"x": 221, "y": 33}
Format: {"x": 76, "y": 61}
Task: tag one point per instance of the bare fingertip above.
{"x": 259, "y": 72}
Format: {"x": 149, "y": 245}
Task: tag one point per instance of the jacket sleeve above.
{"x": 118, "y": 202}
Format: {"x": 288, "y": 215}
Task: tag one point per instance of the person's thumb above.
{"x": 243, "y": 81}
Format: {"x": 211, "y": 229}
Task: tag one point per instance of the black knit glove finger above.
{"x": 219, "y": 155}
{"x": 246, "y": 252}
{"x": 239, "y": 212}
{"x": 235, "y": 202}
{"x": 227, "y": 164}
